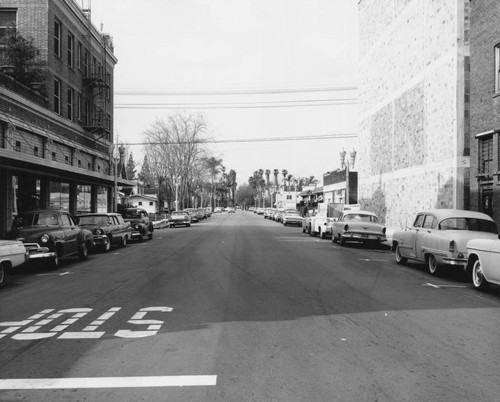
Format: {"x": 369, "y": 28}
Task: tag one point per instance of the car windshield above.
{"x": 293, "y": 213}
{"x": 179, "y": 213}
{"x": 473, "y": 224}
{"x": 36, "y": 219}
{"x": 131, "y": 214}
{"x": 93, "y": 220}
{"x": 361, "y": 218}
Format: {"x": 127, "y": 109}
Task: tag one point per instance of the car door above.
{"x": 429, "y": 224}
{"x": 411, "y": 237}
{"x": 490, "y": 262}
{"x": 71, "y": 231}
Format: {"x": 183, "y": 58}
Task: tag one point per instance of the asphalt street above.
{"x": 238, "y": 308}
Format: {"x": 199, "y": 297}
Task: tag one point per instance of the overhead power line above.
{"x": 245, "y": 140}
{"x": 239, "y": 105}
{"x": 269, "y": 91}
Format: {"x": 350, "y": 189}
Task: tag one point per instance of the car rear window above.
{"x": 472, "y": 224}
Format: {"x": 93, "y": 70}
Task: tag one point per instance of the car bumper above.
{"x": 362, "y": 237}
{"x": 100, "y": 240}
{"x": 36, "y": 252}
{"x": 459, "y": 262}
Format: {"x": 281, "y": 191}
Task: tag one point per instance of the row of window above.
{"x": 78, "y": 57}
{"x": 79, "y": 109}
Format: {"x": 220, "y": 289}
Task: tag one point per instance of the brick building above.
{"x": 414, "y": 137}
{"x": 56, "y": 133}
{"x": 485, "y": 107}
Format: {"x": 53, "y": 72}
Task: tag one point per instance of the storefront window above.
{"x": 59, "y": 195}
{"x": 102, "y": 199}
{"x": 84, "y": 198}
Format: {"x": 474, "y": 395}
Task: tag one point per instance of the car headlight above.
{"x": 98, "y": 231}
{"x": 45, "y": 238}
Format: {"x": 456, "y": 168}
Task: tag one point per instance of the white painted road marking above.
{"x": 443, "y": 286}
{"x": 109, "y": 382}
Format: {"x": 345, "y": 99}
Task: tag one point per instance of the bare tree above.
{"x": 175, "y": 150}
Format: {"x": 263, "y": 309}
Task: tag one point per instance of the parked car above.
{"x": 12, "y": 254}
{"x": 439, "y": 238}
{"x": 51, "y": 234}
{"x": 483, "y": 262}
{"x": 358, "y": 226}
{"x": 306, "y": 222}
{"x": 230, "y": 210}
{"x": 291, "y": 217}
{"x": 179, "y": 218}
{"x": 107, "y": 229}
{"x": 140, "y": 222}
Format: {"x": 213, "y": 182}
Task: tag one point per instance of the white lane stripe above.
{"x": 109, "y": 382}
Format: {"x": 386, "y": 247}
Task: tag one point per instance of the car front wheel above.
{"x": 433, "y": 266}
{"x": 83, "y": 253}
{"x": 107, "y": 244}
{"x": 478, "y": 278}
{"x": 399, "y": 258}
{"x": 3, "y": 275}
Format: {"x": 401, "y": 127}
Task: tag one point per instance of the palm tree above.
{"x": 215, "y": 166}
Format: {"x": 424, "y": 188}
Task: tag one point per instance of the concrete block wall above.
{"x": 409, "y": 107}
{"x": 485, "y": 103}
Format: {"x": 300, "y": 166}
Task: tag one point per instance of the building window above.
{"x": 140, "y": 202}
{"x": 18, "y": 146}
{"x": 71, "y": 47}
{"x": 486, "y": 155}
{"x": 71, "y": 95}
{"x": 79, "y": 107}
{"x": 57, "y": 38}
{"x": 79, "y": 55}
{"x": 497, "y": 68}
{"x": 57, "y": 96}
{"x": 66, "y": 159}
{"x": 86, "y": 64}
{"x": 54, "y": 156}
{"x": 35, "y": 151}
{"x": 8, "y": 23}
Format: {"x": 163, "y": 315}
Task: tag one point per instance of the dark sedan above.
{"x": 51, "y": 234}
{"x": 107, "y": 229}
{"x": 140, "y": 222}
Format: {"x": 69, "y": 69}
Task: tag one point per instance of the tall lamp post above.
{"x": 115, "y": 158}
{"x": 347, "y": 165}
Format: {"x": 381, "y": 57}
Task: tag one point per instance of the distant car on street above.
{"x": 439, "y": 238}
{"x": 107, "y": 229}
{"x": 291, "y": 217}
{"x": 179, "y": 218}
{"x": 230, "y": 210}
{"x": 140, "y": 222}
{"x": 483, "y": 262}
{"x": 51, "y": 234}
{"x": 12, "y": 254}
{"x": 358, "y": 226}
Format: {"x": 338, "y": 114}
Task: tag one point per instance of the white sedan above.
{"x": 12, "y": 254}
{"x": 484, "y": 262}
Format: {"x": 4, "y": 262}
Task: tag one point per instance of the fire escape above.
{"x": 96, "y": 116}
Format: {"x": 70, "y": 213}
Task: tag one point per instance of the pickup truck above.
{"x": 12, "y": 254}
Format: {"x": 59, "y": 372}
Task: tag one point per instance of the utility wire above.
{"x": 246, "y": 140}
{"x": 238, "y": 105}
{"x": 271, "y": 91}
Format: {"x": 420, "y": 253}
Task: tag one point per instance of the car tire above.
{"x": 433, "y": 266}
{"x": 399, "y": 258}
{"x": 322, "y": 234}
{"x": 54, "y": 262}
{"x": 150, "y": 236}
{"x": 341, "y": 241}
{"x": 83, "y": 251}
{"x": 107, "y": 244}
{"x": 478, "y": 279}
{"x": 3, "y": 275}
{"x": 334, "y": 238}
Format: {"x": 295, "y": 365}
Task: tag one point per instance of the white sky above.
{"x": 227, "y": 45}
